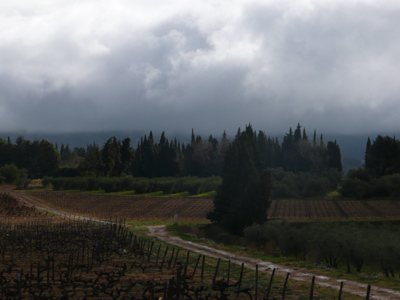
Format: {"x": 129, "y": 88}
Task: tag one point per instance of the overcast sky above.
{"x": 173, "y": 65}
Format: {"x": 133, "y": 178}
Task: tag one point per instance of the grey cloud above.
{"x": 333, "y": 67}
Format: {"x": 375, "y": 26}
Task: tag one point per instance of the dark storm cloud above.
{"x": 330, "y": 65}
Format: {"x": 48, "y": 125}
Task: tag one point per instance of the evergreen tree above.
{"x": 367, "y": 155}
{"x": 244, "y": 193}
{"x": 23, "y": 155}
{"x": 80, "y": 152}
{"x": 262, "y": 145}
{"x": 136, "y": 167}
{"x": 46, "y": 158}
{"x": 383, "y": 156}
{"x": 65, "y": 153}
{"x": 166, "y": 158}
{"x": 147, "y": 156}
{"x": 288, "y": 152}
{"x": 127, "y": 154}
{"x": 334, "y": 156}
{"x": 201, "y": 158}
{"x": 93, "y": 164}
{"x": 223, "y": 147}
{"x": 297, "y": 134}
{"x": 315, "y": 139}
{"x": 305, "y": 137}
{"x": 111, "y": 157}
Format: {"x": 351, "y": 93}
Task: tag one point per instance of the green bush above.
{"x": 385, "y": 186}
{"x": 359, "y": 173}
{"x": 332, "y": 244}
{"x": 303, "y": 184}
{"x": 315, "y": 187}
{"x": 140, "y": 185}
{"x": 354, "y": 188}
{"x": 282, "y": 190}
{"x": 93, "y": 184}
{"x": 10, "y": 173}
{"x": 166, "y": 185}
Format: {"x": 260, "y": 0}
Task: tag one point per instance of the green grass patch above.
{"x": 211, "y": 194}
{"x": 333, "y": 194}
{"x": 177, "y": 195}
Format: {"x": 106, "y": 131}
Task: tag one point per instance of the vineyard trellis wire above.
{"x": 60, "y": 258}
{"x": 81, "y": 259}
{"x": 139, "y": 208}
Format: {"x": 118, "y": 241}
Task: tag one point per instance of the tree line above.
{"x": 380, "y": 176}
{"x": 27, "y": 159}
{"x": 206, "y": 157}
{"x": 184, "y": 186}
{"x": 167, "y": 158}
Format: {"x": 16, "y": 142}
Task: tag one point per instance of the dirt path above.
{"x": 352, "y": 287}
{"x": 33, "y": 202}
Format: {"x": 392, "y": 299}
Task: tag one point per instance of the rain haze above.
{"x": 70, "y": 66}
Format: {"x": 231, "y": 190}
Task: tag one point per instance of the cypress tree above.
{"x": 305, "y": 137}
{"x": 243, "y": 197}
{"x": 297, "y": 134}
{"x": 334, "y": 156}
{"x": 315, "y": 139}
{"x": 127, "y": 154}
{"x": 367, "y": 154}
{"x": 111, "y": 155}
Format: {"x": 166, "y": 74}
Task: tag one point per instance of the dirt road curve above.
{"x": 160, "y": 232}
{"x": 264, "y": 266}
{"x": 32, "y": 202}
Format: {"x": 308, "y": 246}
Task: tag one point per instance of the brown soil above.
{"x": 300, "y": 274}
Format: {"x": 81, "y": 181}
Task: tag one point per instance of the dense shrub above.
{"x": 141, "y": 185}
{"x": 23, "y": 180}
{"x": 385, "y": 186}
{"x": 282, "y": 190}
{"x": 359, "y": 173}
{"x": 354, "y": 188}
{"x": 9, "y": 173}
{"x": 331, "y": 244}
{"x": 166, "y": 185}
{"x": 315, "y": 187}
{"x": 93, "y": 184}
{"x": 193, "y": 185}
{"x": 303, "y": 184}
{"x": 65, "y": 172}
{"x": 110, "y": 184}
